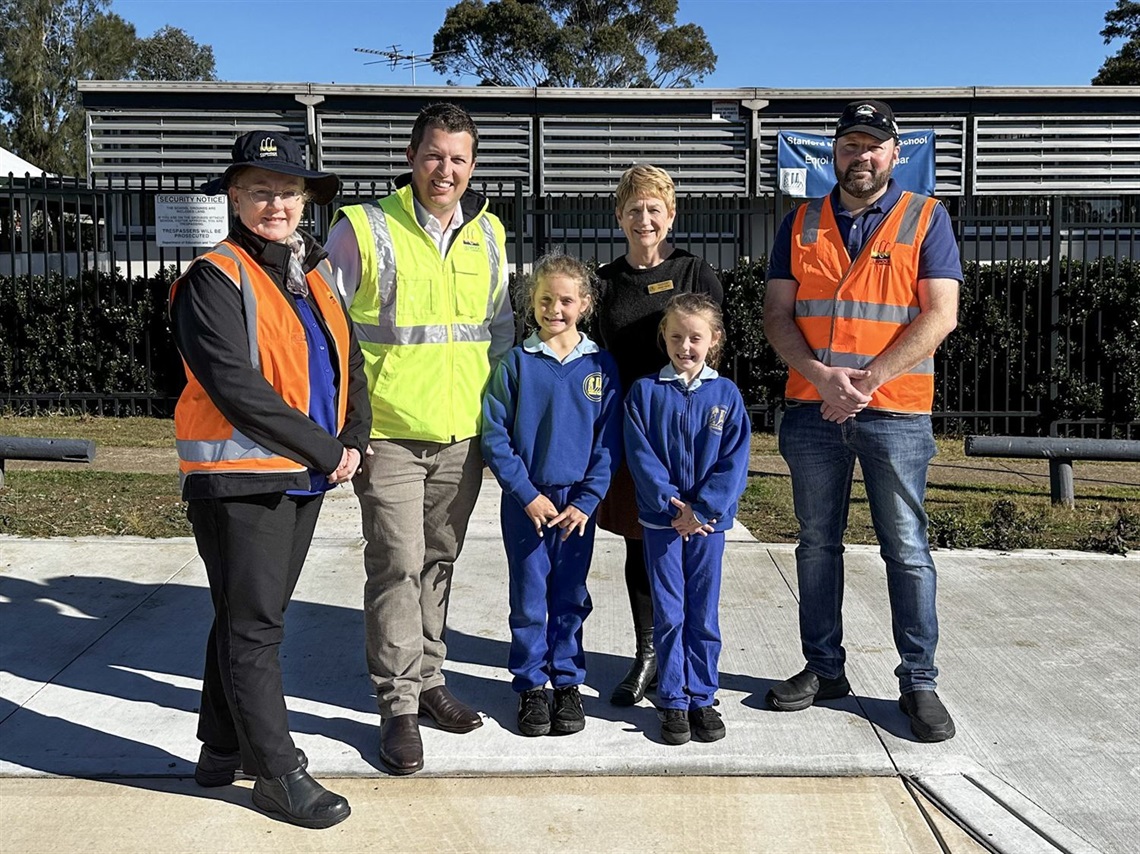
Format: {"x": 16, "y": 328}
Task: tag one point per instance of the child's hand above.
{"x": 568, "y": 520}
{"x": 686, "y": 522}
{"x": 540, "y": 511}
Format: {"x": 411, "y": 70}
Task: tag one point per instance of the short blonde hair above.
{"x": 645, "y": 181}
{"x": 561, "y": 264}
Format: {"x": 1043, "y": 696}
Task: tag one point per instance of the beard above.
{"x": 862, "y": 182}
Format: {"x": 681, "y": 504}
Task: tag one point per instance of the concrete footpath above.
{"x": 101, "y": 644}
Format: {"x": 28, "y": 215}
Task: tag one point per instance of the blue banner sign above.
{"x": 804, "y": 161}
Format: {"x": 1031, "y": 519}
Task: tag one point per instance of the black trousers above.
{"x": 253, "y": 548}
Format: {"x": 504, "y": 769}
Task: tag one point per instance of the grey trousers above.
{"x": 416, "y": 499}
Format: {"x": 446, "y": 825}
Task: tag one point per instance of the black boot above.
{"x": 299, "y": 799}
{"x": 642, "y": 674}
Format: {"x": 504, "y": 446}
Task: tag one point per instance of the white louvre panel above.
{"x": 367, "y": 150}
{"x": 1056, "y": 154}
{"x": 949, "y": 147}
{"x": 173, "y": 144}
{"x": 588, "y": 155}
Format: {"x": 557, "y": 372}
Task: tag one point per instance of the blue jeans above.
{"x": 894, "y": 453}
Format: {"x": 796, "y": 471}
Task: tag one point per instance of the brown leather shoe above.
{"x": 400, "y": 747}
{"x": 448, "y": 713}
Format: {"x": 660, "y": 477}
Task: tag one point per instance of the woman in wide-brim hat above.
{"x": 275, "y": 412}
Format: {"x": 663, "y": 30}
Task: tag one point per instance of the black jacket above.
{"x": 209, "y": 329}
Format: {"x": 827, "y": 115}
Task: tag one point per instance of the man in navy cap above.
{"x": 862, "y": 287}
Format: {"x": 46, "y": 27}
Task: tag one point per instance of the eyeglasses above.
{"x": 289, "y": 198}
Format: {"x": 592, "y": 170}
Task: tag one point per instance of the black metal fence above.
{"x": 86, "y": 253}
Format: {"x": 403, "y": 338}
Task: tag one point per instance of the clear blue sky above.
{"x": 770, "y": 43}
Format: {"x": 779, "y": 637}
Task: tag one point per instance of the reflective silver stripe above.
{"x": 909, "y": 225}
{"x": 496, "y": 262}
{"x": 860, "y": 361}
{"x": 325, "y": 271}
{"x": 811, "y": 221}
{"x": 471, "y": 332}
{"x": 854, "y": 310}
{"x": 385, "y": 257}
{"x": 388, "y": 333}
{"x": 248, "y": 300}
{"x": 237, "y": 447}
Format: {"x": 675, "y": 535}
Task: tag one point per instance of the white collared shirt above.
{"x": 442, "y": 236}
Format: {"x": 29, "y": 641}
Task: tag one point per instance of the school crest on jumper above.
{"x": 592, "y": 386}
{"x": 716, "y": 418}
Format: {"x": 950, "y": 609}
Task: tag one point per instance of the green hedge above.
{"x": 97, "y": 334}
{"x": 104, "y": 334}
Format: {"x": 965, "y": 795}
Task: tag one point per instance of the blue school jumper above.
{"x": 692, "y": 443}
{"x": 553, "y": 428}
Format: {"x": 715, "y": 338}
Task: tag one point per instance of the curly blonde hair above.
{"x": 697, "y": 305}
{"x": 561, "y": 264}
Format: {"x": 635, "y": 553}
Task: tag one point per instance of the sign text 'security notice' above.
{"x": 189, "y": 219}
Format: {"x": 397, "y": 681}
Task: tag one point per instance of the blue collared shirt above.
{"x": 534, "y": 344}
{"x": 668, "y": 374}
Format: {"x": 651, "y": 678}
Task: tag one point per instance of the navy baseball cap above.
{"x": 869, "y": 117}
{"x": 275, "y": 152}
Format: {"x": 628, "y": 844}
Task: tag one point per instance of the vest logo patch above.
{"x": 592, "y": 386}
{"x": 717, "y": 416}
{"x": 660, "y": 287}
{"x": 881, "y": 253}
{"x": 470, "y": 244}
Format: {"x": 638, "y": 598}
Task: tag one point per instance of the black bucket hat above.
{"x": 870, "y": 117}
{"x": 275, "y": 152}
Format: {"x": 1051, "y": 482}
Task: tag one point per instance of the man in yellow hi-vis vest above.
{"x": 425, "y": 272}
{"x": 862, "y": 287}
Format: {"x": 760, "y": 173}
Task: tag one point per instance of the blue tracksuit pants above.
{"x": 684, "y": 580}
{"x": 549, "y": 600}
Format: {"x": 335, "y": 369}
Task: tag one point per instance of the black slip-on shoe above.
{"x": 929, "y": 720}
{"x": 804, "y": 689}
{"x": 299, "y": 799}
{"x": 675, "y": 726}
{"x": 216, "y": 768}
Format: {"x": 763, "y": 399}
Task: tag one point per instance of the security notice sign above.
{"x": 189, "y": 219}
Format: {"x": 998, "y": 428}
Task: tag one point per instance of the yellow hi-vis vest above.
{"x": 851, "y": 310}
{"x": 424, "y": 321}
{"x": 207, "y": 442}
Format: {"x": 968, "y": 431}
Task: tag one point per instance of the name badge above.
{"x": 660, "y": 287}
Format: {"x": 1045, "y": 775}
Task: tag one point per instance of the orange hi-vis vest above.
{"x": 850, "y": 311}
{"x": 207, "y": 442}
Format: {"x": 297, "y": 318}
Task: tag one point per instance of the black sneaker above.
{"x": 706, "y": 724}
{"x": 567, "y": 711}
{"x": 534, "y": 712}
{"x": 674, "y": 726}
{"x": 805, "y": 688}
{"x": 929, "y": 720}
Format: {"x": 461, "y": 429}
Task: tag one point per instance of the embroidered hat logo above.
{"x": 268, "y": 147}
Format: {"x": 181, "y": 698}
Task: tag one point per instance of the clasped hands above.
{"x": 845, "y": 392}
{"x": 543, "y": 513}
{"x": 686, "y": 522}
{"x": 349, "y": 466}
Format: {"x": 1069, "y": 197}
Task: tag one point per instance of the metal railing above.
{"x": 92, "y": 251}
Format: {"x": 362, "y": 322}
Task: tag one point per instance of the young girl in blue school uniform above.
{"x": 687, "y": 439}
{"x": 552, "y": 437}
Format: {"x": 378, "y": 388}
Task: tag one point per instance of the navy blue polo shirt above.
{"x": 322, "y": 388}
{"x": 938, "y": 256}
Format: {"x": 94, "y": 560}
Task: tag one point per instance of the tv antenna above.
{"x": 396, "y": 58}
